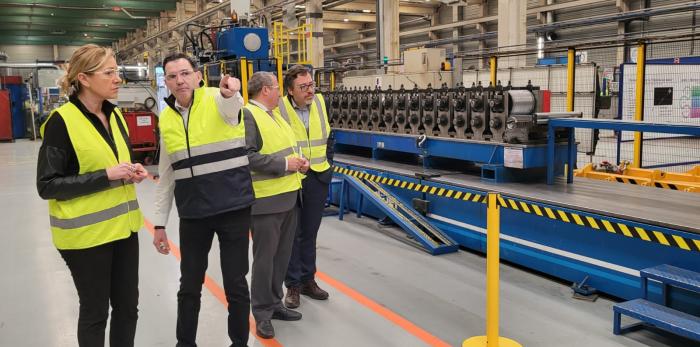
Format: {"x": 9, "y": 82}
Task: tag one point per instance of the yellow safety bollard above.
{"x": 493, "y": 229}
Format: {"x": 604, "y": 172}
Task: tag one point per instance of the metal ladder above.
{"x": 430, "y": 238}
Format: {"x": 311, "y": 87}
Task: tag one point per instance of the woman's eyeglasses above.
{"x": 109, "y": 73}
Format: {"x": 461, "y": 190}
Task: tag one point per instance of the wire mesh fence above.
{"x": 605, "y": 87}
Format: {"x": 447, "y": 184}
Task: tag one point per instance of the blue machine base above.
{"x": 528, "y": 162}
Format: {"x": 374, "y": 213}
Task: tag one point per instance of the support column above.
{"x": 457, "y": 73}
{"x": 388, "y": 30}
{"x": 622, "y": 7}
{"x": 484, "y": 11}
{"x": 314, "y": 16}
{"x": 512, "y": 30}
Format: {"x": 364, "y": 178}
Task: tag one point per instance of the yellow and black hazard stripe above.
{"x": 417, "y": 187}
{"x": 627, "y": 180}
{"x": 594, "y": 223}
{"x": 665, "y": 185}
{"x": 601, "y": 224}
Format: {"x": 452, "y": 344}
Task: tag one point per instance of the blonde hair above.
{"x": 88, "y": 58}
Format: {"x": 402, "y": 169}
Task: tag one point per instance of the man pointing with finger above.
{"x": 203, "y": 164}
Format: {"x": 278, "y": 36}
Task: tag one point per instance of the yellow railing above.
{"x": 284, "y": 40}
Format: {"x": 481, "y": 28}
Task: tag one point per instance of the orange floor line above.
{"x": 383, "y": 311}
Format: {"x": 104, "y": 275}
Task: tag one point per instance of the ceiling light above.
{"x": 345, "y": 20}
{"x": 85, "y": 34}
{"x": 300, "y": 6}
{"x": 366, "y": 11}
{"x": 51, "y": 14}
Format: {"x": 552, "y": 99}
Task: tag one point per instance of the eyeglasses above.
{"x": 273, "y": 87}
{"x": 307, "y": 86}
{"x": 109, "y": 73}
{"x": 184, "y": 74}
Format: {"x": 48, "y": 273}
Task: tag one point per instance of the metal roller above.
{"x": 521, "y": 102}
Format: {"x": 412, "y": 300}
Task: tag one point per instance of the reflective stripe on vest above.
{"x": 206, "y": 149}
{"x": 208, "y": 168}
{"x": 261, "y": 176}
{"x": 277, "y": 140}
{"x": 314, "y": 141}
{"x": 101, "y": 217}
{"x": 205, "y": 146}
{"x": 94, "y": 218}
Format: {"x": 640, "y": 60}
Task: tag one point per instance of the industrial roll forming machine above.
{"x": 426, "y": 158}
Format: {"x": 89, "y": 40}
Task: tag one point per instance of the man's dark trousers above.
{"x": 302, "y": 265}
{"x": 196, "y": 237}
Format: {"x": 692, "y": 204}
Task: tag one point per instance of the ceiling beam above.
{"x": 352, "y": 17}
{"x": 65, "y": 13}
{"x": 132, "y": 23}
{"x": 372, "y": 6}
{"x": 49, "y": 27}
{"x": 149, "y": 5}
{"x": 334, "y": 25}
{"x": 565, "y": 5}
{"x": 22, "y": 41}
{"x": 56, "y": 40}
{"x": 68, "y": 33}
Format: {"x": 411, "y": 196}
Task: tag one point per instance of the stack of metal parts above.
{"x": 503, "y": 114}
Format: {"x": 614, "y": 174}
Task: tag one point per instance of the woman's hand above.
{"x": 139, "y": 174}
{"x": 123, "y": 171}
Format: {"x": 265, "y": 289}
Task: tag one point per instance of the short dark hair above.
{"x": 259, "y": 80}
{"x": 292, "y": 74}
{"x": 178, "y": 56}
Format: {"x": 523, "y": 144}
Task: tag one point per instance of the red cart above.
{"x": 143, "y": 135}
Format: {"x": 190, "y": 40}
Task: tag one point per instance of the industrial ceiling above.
{"x": 77, "y": 22}
{"x": 74, "y": 22}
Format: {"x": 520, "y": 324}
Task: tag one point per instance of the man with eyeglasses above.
{"x": 306, "y": 112}
{"x": 275, "y": 168}
{"x": 204, "y": 166}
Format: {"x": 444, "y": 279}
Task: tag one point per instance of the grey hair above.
{"x": 259, "y": 80}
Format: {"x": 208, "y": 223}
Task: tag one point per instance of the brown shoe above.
{"x": 312, "y": 290}
{"x": 291, "y": 300}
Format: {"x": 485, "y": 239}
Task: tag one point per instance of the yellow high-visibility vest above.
{"x": 98, "y": 218}
{"x": 312, "y": 143}
{"x": 278, "y": 140}
{"x": 208, "y": 157}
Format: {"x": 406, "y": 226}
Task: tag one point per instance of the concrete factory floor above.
{"x": 383, "y": 292}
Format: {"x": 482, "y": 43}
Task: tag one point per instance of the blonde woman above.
{"x": 85, "y": 172}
